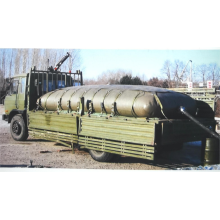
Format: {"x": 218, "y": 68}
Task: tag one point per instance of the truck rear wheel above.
{"x": 101, "y": 156}
{"x": 18, "y": 128}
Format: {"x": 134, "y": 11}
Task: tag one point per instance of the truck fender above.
{"x": 15, "y": 112}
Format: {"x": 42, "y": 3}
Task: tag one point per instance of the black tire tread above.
{"x": 24, "y": 131}
{"x": 105, "y": 157}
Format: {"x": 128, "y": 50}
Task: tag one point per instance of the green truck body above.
{"x": 203, "y": 94}
{"x": 104, "y": 135}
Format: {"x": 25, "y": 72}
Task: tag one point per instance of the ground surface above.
{"x": 18, "y": 154}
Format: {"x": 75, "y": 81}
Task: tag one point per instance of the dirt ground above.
{"x": 19, "y": 154}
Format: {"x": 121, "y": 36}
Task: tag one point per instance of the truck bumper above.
{"x": 5, "y": 117}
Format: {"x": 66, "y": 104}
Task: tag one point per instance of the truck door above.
{"x": 21, "y": 93}
{"x": 11, "y": 100}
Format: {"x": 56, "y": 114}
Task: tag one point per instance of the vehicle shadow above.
{"x": 22, "y": 166}
{"x": 35, "y": 140}
{"x": 188, "y": 156}
{"x": 19, "y": 165}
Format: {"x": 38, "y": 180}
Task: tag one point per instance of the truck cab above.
{"x": 26, "y": 88}
{"x": 15, "y": 98}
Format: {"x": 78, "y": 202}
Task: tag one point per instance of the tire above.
{"x": 101, "y": 156}
{"x": 18, "y": 129}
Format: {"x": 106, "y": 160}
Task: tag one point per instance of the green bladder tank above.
{"x": 122, "y": 100}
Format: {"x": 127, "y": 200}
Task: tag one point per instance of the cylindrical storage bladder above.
{"x": 98, "y": 100}
{"x": 65, "y": 100}
{"x": 53, "y": 99}
{"x": 110, "y": 98}
{"x": 88, "y": 97}
{"x": 123, "y": 100}
{"x": 50, "y": 101}
{"x": 76, "y": 97}
{"x": 145, "y": 104}
{"x": 41, "y": 102}
{"x": 210, "y": 151}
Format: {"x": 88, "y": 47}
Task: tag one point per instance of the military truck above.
{"x": 106, "y": 120}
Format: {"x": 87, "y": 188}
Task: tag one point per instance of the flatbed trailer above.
{"x": 139, "y": 138}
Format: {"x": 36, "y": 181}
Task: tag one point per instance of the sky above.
{"x": 147, "y": 62}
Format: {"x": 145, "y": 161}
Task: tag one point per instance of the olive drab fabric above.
{"x": 123, "y": 100}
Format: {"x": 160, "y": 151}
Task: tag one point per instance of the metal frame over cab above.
{"x": 26, "y": 88}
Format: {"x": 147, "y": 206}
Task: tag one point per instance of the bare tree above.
{"x": 24, "y": 60}
{"x": 3, "y": 62}
{"x": 75, "y": 58}
{"x": 202, "y": 72}
{"x": 1, "y": 72}
{"x": 108, "y": 77}
{"x": 11, "y": 63}
{"x": 213, "y": 73}
{"x": 17, "y": 68}
{"x": 176, "y": 73}
{"x": 175, "y": 76}
{"x": 217, "y": 82}
{"x": 36, "y": 57}
{"x": 167, "y": 71}
{"x": 15, "y": 61}
{"x": 180, "y": 72}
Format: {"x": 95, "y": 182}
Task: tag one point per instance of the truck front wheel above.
{"x": 101, "y": 156}
{"x": 18, "y": 128}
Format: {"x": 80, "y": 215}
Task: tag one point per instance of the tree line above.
{"x": 16, "y": 61}
{"x": 175, "y": 76}
{"x": 171, "y": 75}
{"x": 125, "y": 77}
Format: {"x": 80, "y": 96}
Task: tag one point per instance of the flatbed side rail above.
{"x": 203, "y": 94}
